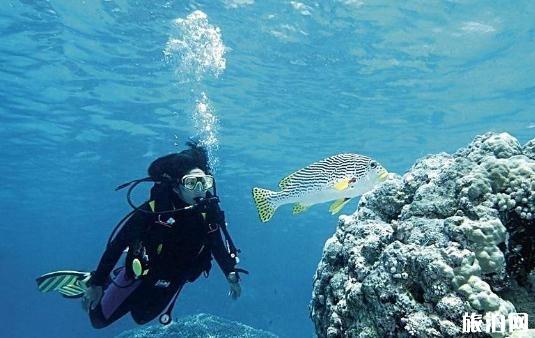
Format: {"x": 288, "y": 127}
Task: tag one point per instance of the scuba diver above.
{"x": 169, "y": 241}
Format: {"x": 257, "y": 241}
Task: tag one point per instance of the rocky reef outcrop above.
{"x": 454, "y": 235}
{"x": 197, "y": 326}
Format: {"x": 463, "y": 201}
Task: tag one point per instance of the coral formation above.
{"x": 454, "y": 235}
{"x": 200, "y": 325}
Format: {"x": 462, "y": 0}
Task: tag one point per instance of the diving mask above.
{"x": 197, "y": 182}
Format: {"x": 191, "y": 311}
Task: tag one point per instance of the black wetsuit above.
{"x": 179, "y": 246}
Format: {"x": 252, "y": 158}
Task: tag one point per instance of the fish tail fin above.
{"x": 264, "y": 203}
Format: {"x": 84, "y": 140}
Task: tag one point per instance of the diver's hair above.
{"x": 200, "y": 154}
{"x": 173, "y": 166}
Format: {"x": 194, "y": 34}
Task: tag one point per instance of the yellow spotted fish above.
{"x": 340, "y": 178}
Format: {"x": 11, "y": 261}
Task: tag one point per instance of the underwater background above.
{"x": 92, "y": 91}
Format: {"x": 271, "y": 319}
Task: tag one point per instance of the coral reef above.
{"x": 454, "y": 235}
{"x": 200, "y": 325}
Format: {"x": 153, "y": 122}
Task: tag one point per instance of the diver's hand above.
{"x": 234, "y": 285}
{"x": 92, "y": 297}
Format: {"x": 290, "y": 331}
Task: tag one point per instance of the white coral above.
{"x": 424, "y": 248}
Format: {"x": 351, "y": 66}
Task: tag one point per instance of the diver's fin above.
{"x": 338, "y": 205}
{"x": 72, "y": 291}
{"x": 71, "y": 284}
{"x": 264, "y": 205}
{"x": 342, "y": 185}
{"x": 299, "y": 208}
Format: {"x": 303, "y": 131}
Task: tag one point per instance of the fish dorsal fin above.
{"x": 299, "y": 208}
{"x": 338, "y": 205}
{"x": 321, "y": 169}
{"x": 285, "y": 182}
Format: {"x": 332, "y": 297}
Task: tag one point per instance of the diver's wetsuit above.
{"x": 178, "y": 253}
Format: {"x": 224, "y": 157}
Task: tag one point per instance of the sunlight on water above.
{"x": 237, "y": 3}
{"x": 196, "y": 51}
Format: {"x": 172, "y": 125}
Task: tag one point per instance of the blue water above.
{"x": 92, "y": 91}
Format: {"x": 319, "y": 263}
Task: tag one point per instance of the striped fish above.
{"x": 340, "y": 177}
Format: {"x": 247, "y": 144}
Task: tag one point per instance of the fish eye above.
{"x": 373, "y": 164}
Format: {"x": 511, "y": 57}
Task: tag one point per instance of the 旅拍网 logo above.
{"x": 493, "y": 322}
